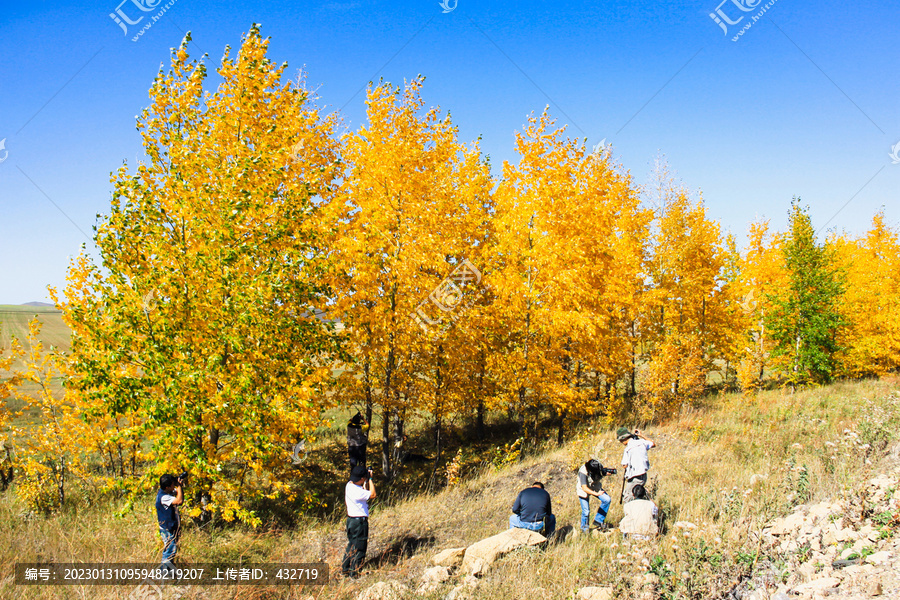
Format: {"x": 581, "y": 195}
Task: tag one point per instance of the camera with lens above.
{"x": 183, "y": 477}
{"x": 597, "y": 470}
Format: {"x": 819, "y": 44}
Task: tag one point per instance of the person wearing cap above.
{"x": 635, "y": 461}
{"x": 357, "y": 439}
{"x": 589, "y": 483}
{"x": 533, "y": 510}
{"x": 357, "y": 493}
{"x": 639, "y": 522}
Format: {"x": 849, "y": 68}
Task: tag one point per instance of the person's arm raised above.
{"x": 179, "y": 494}
{"x": 370, "y": 485}
{"x": 645, "y": 438}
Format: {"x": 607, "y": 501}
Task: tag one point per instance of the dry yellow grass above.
{"x": 727, "y": 466}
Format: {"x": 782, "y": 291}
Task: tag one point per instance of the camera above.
{"x": 183, "y": 477}
{"x": 597, "y": 470}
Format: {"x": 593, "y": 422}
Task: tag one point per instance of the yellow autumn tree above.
{"x": 568, "y": 257}
{"x": 762, "y": 272}
{"x": 614, "y": 250}
{"x": 690, "y": 309}
{"x": 870, "y": 303}
{"x": 8, "y": 382}
{"x": 200, "y": 333}
{"x": 51, "y": 447}
{"x": 411, "y": 212}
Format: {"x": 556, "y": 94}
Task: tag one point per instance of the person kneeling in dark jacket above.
{"x": 532, "y": 510}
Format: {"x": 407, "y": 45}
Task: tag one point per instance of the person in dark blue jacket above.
{"x": 533, "y": 510}
{"x": 169, "y": 497}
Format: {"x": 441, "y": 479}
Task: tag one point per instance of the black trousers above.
{"x": 357, "y": 455}
{"x": 357, "y": 544}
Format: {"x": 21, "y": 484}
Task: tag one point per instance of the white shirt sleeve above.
{"x": 167, "y": 500}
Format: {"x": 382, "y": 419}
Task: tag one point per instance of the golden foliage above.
{"x": 261, "y": 268}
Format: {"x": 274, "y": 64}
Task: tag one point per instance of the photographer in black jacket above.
{"x": 357, "y": 439}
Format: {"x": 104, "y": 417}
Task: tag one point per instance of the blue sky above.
{"x": 805, "y": 103}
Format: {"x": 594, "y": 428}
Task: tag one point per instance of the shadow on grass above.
{"x": 400, "y": 548}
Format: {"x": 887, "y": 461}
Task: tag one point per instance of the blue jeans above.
{"x": 550, "y": 520}
{"x": 605, "y": 501}
{"x": 170, "y": 545}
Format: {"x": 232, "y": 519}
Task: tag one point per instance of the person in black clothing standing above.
{"x": 532, "y": 510}
{"x": 357, "y": 440}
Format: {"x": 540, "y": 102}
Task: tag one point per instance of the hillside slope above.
{"x": 14, "y": 320}
{"x": 723, "y": 474}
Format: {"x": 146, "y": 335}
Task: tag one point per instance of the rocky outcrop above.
{"x": 384, "y": 590}
{"x": 432, "y": 579}
{"x": 451, "y": 557}
{"x": 479, "y": 557}
{"x": 837, "y": 549}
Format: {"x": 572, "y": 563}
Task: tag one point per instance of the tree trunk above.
{"x": 561, "y": 432}
{"x": 479, "y": 420}
{"x": 386, "y": 463}
{"x": 368, "y": 391}
{"x": 479, "y": 411}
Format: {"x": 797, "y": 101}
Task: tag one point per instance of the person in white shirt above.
{"x": 640, "y": 517}
{"x": 635, "y": 461}
{"x": 357, "y": 493}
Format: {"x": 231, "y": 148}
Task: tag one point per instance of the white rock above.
{"x": 451, "y": 557}
{"x": 436, "y": 574}
{"x": 788, "y": 524}
{"x": 845, "y": 535}
{"x": 819, "y": 511}
{"x": 879, "y": 558}
{"x": 465, "y": 590}
{"x": 882, "y": 482}
{"x": 481, "y": 555}
{"x": 818, "y": 585}
{"x": 595, "y": 593}
{"x": 384, "y": 590}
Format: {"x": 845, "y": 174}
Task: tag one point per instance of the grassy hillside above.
{"x": 728, "y": 467}
{"x": 14, "y": 323}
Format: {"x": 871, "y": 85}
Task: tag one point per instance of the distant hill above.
{"x": 14, "y": 320}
